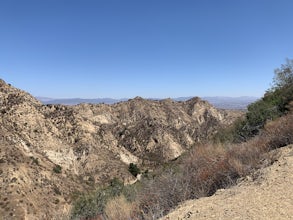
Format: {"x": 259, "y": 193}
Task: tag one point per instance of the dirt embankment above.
{"x": 270, "y": 196}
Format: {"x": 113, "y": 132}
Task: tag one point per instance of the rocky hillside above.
{"x": 48, "y": 152}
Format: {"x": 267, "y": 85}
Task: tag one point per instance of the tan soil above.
{"x": 270, "y": 196}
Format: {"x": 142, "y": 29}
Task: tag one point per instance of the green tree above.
{"x": 275, "y": 103}
{"x": 284, "y": 75}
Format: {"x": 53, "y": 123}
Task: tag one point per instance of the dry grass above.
{"x": 120, "y": 209}
{"x": 280, "y": 131}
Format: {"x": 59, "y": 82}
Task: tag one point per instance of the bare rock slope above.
{"x": 47, "y": 152}
{"x": 269, "y": 197}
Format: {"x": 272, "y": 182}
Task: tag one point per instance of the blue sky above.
{"x": 148, "y": 48}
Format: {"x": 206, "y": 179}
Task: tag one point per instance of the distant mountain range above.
{"x": 218, "y": 101}
{"x": 76, "y": 101}
{"x": 231, "y": 102}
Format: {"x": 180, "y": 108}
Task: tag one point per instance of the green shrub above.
{"x": 35, "y": 160}
{"x": 133, "y": 169}
{"x": 115, "y": 188}
{"x": 93, "y": 204}
{"x": 57, "y": 169}
{"x": 86, "y": 207}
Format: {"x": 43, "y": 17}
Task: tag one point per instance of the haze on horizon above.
{"x": 148, "y": 48}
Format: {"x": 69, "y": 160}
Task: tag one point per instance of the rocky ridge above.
{"x": 91, "y": 143}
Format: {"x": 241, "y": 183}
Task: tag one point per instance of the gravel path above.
{"x": 269, "y": 197}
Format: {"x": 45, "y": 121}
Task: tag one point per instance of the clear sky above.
{"x": 148, "y": 48}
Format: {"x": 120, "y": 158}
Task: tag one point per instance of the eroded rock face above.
{"x": 92, "y": 144}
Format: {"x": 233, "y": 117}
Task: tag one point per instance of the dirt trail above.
{"x": 268, "y": 197}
